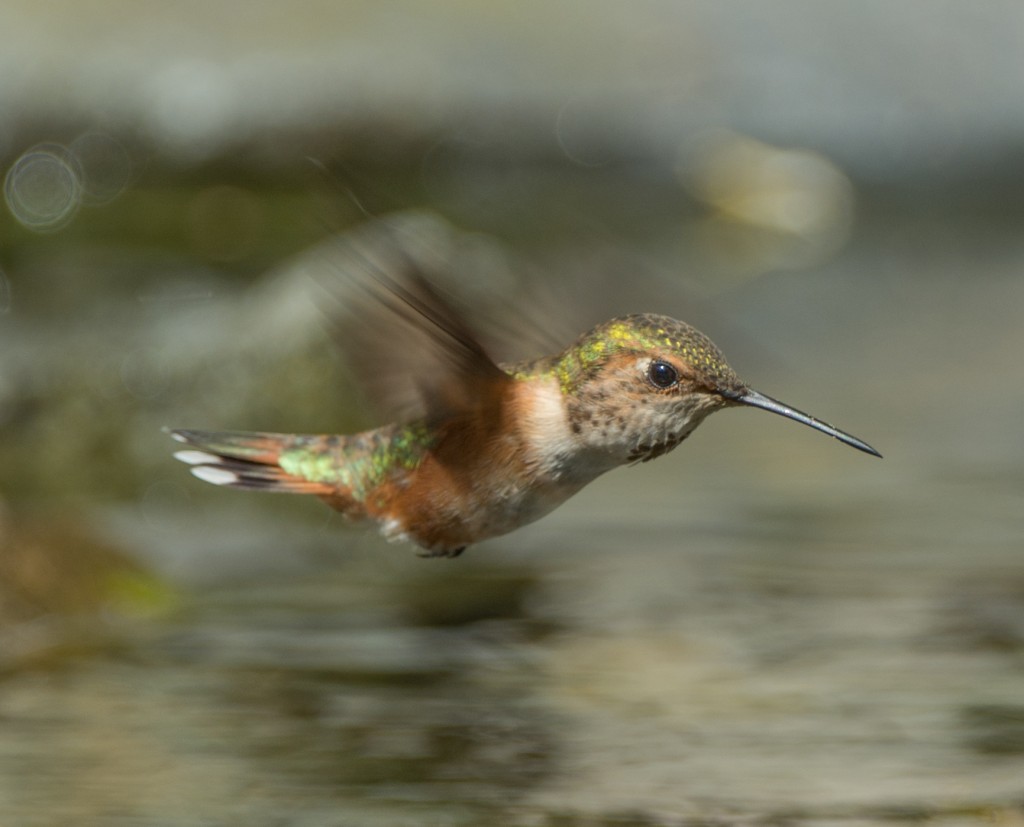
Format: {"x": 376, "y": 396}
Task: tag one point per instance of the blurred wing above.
{"x": 412, "y": 352}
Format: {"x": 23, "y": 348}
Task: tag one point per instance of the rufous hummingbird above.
{"x": 494, "y": 446}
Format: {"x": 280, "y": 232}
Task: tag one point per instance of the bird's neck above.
{"x": 552, "y": 433}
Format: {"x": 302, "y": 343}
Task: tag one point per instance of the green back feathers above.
{"x": 358, "y": 462}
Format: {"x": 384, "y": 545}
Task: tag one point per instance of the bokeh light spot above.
{"x": 769, "y": 207}
{"x": 106, "y": 168}
{"x": 144, "y": 375}
{"x": 43, "y": 188}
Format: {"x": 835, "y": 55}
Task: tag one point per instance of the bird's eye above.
{"x": 662, "y": 374}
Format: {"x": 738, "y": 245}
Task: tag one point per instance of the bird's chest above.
{"x": 483, "y": 481}
{"x": 506, "y": 504}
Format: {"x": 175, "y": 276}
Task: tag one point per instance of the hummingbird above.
{"x": 492, "y": 446}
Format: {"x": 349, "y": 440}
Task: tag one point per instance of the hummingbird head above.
{"x": 637, "y": 386}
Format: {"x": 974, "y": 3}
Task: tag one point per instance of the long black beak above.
{"x": 759, "y": 400}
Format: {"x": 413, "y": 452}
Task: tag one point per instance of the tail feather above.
{"x": 238, "y": 459}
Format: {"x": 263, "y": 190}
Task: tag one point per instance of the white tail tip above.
{"x": 213, "y": 474}
{"x": 197, "y": 458}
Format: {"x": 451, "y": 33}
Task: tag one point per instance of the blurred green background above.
{"x": 763, "y": 627}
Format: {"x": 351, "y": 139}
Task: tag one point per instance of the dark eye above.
{"x": 662, "y": 374}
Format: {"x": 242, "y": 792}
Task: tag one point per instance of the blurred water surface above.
{"x": 763, "y": 627}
